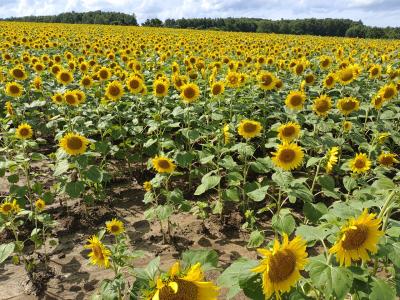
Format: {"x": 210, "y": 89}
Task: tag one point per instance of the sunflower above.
{"x": 281, "y": 265}
{"x": 288, "y": 156}
{"x": 249, "y": 128}
{"x": 86, "y": 81}
{"x": 8, "y": 207}
{"x": 357, "y": 238}
{"x": 289, "y": 131}
{"x": 9, "y": 108}
{"x": 387, "y": 159}
{"x": 114, "y": 90}
{"x": 104, "y": 74}
{"x": 134, "y": 84}
{"x": 322, "y": 105}
{"x": 160, "y": 88}
{"x": 217, "y": 88}
{"x": 71, "y": 98}
{"x": 99, "y": 254}
{"x": 309, "y": 79}
{"x": 18, "y": 73}
{"x": 14, "y": 89}
{"x": 329, "y": 81}
{"x": 347, "y": 105}
{"x": 40, "y": 204}
{"x": 225, "y": 131}
{"x": 325, "y": 62}
{"x": 388, "y": 92}
{"x": 185, "y": 285}
{"x": 233, "y": 79}
{"x": 115, "y": 227}
{"x": 377, "y": 102}
{"x": 81, "y": 96}
{"x": 147, "y": 186}
{"x": 190, "y": 92}
{"x": 74, "y": 144}
{"x": 331, "y": 159}
{"x": 382, "y": 137}
{"x": 64, "y": 77}
{"x": 295, "y": 100}
{"x": 24, "y": 131}
{"x": 346, "y": 76}
{"x": 266, "y": 81}
{"x": 163, "y": 164}
{"x": 347, "y": 125}
{"x": 360, "y": 163}
{"x": 375, "y": 71}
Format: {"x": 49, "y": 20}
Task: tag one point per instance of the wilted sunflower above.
{"x": 295, "y": 100}
{"x": 217, "y": 88}
{"x": 40, "y": 204}
{"x": 160, "y": 88}
{"x": 99, "y": 254}
{"x": 8, "y": 207}
{"x": 190, "y": 92}
{"x": 249, "y": 128}
{"x": 347, "y": 105}
{"x": 346, "y": 76}
{"x": 387, "y": 159}
{"x": 288, "y": 156}
{"x": 357, "y": 238}
{"x": 388, "y": 92}
{"x": 266, "y": 81}
{"x": 331, "y": 159}
{"x": 322, "y": 105}
{"x": 134, "y": 84}
{"x": 115, "y": 227}
{"x": 281, "y": 265}
{"x": 184, "y": 285}
{"x": 289, "y": 131}
{"x": 14, "y": 89}
{"x": 360, "y": 163}
{"x": 24, "y": 131}
{"x": 64, "y": 77}
{"x": 74, "y": 144}
{"x": 163, "y": 164}
{"x": 114, "y": 90}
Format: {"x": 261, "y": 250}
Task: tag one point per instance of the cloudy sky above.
{"x": 371, "y": 12}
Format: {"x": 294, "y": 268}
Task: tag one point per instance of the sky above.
{"x": 371, "y": 12}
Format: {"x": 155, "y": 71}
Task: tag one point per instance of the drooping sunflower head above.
{"x": 331, "y": 159}
{"x": 281, "y": 265}
{"x": 288, "y": 156}
{"x": 40, "y": 204}
{"x": 163, "y": 164}
{"x": 266, "y": 81}
{"x": 100, "y": 254}
{"x": 114, "y": 90}
{"x": 64, "y": 77}
{"x": 382, "y": 137}
{"x": 14, "y": 89}
{"x": 360, "y": 163}
{"x": 387, "y": 159}
{"x": 190, "y": 92}
{"x": 115, "y": 227}
{"x": 322, "y": 105}
{"x": 347, "y": 105}
{"x": 295, "y": 100}
{"x": 160, "y": 88}
{"x": 217, "y": 88}
{"x": 74, "y": 144}
{"x": 24, "y": 131}
{"x": 357, "y": 238}
{"x": 249, "y": 128}
{"x": 289, "y": 131}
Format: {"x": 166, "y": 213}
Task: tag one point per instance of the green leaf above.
{"x": 184, "y": 159}
{"x": 256, "y": 239}
{"x": 380, "y": 290}
{"x": 252, "y": 286}
{"x": 150, "y": 271}
{"x": 312, "y": 161}
{"x": 333, "y": 281}
{"x": 231, "y": 194}
{"x": 164, "y": 212}
{"x": 238, "y": 270}
{"x": 314, "y": 211}
{"x": 283, "y": 223}
{"x": 74, "y": 189}
{"x": 258, "y": 194}
{"x": 5, "y": 251}
{"x": 207, "y": 258}
{"x": 207, "y": 182}
{"x": 394, "y": 254}
{"x": 384, "y": 183}
{"x": 13, "y": 178}
{"x": 311, "y": 233}
{"x": 349, "y": 183}
{"x": 94, "y": 174}
{"x": 327, "y": 182}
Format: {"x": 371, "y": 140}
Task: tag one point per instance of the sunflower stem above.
{"x": 315, "y": 177}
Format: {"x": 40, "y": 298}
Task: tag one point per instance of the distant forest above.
{"x": 321, "y": 27}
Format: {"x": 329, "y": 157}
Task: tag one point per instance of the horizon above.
{"x": 381, "y": 13}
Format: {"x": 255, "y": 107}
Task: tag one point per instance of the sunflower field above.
{"x": 160, "y": 164}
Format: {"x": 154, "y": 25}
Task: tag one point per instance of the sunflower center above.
{"x": 309, "y": 78}
{"x": 299, "y": 69}
{"x": 378, "y": 100}
{"x": 249, "y": 127}
{"x": 354, "y": 238}
{"x": 296, "y": 100}
{"x": 189, "y": 92}
{"x": 325, "y": 63}
{"x": 216, "y": 89}
{"x": 287, "y": 155}
{"x": 74, "y": 143}
{"x": 322, "y": 106}
{"x": 347, "y": 75}
{"x": 7, "y": 207}
{"x": 160, "y": 89}
{"x": 18, "y": 73}
{"x": 65, "y": 77}
{"x": 233, "y": 79}
{"x": 134, "y": 84}
{"x": 281, "y": 265}
{"x": 114, "y": 228}
{"x": 97, "y": 252}
{"x": 86, "y": 81}
{"x": 70, "y": 99}
{"x": 267, "y": 80}
{"x": 348, "y": 105}
{"x": 163, "y": 163}
{"x": 103, "y": 74}
{"x": 359, "y": 163}
{"x": 288, "y": 131}
{"x": 14, "y": 89}
{"x": 186, "y": 291}
{"x": 388, "y": 93}
{"x": 24, "y": 132}
{"x": 387, "y": 160}
{"x": 374, "y": 71}
{"x": 114, "y": 90}
{"x": 329, "y": 80}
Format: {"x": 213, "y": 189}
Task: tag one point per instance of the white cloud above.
{"x": 371, "y": 12}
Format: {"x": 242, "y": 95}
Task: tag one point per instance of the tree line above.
{"x": 91, "y": 17}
